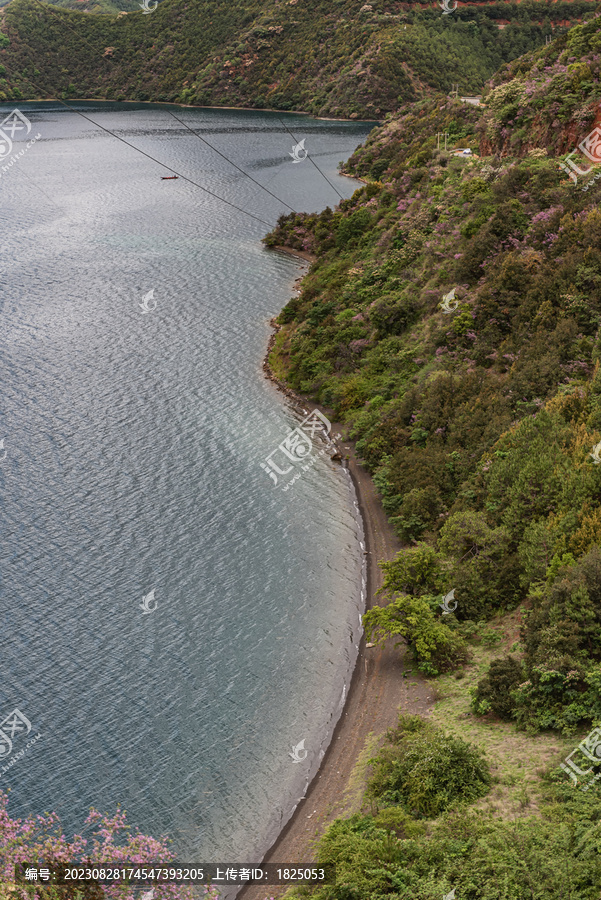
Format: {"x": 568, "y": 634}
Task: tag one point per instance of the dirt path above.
{"x": 378, "y": 689}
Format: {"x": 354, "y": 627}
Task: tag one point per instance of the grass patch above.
{"x": 278, "y": 357}
{"x": 517, "y": 761}
{"x": 353, "y": 793}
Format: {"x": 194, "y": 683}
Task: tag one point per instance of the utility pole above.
{"x": 443, "y": 134}
{"x": 455, "y": 90}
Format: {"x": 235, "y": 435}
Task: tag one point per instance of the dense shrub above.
{"x": 479, "y": 857}
{"x": 391, "y": 314}
{"x": 415, "y": 570}
{"x": 426, "y": 771}
{"x": 562, "y": 639}
{"x": 418, "y": 511}
{"x": 481, "y": 568}
{"x": 493, "y": 693}
{"x": 352, "y": 227}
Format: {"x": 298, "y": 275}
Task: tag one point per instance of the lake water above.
{"x": 131, "y": 464}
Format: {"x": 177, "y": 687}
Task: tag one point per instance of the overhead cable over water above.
{"x": 311, "y": 160}
{"x": 200, "y": 138}
{"x": 63, "y": 21}
{"x": 154, "y": 159}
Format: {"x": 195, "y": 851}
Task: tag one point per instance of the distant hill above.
{"x": 542, "y": 104}
{"x": 328, "y": 57}
{"x": 108, "y": 7}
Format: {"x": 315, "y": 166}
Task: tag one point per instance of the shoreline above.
{"x": 289, "y": 112}
{"x": 307, "y": 256}
{"x": 376, "y": 692}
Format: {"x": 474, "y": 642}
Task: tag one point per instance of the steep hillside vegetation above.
{"x": 477, "y": 422}
{"x": 108, "y": 7}
{"x": 328, "y": 57}
{"x": 548, "y": 99}
{"x": 452, "y": 319}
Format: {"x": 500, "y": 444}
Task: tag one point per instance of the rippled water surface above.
{"x": 133, "y": 444}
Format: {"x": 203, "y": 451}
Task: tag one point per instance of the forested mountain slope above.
{"x": 546, "y": 99}
{"x": 107, "y": 7}
{"x": 452, "y": 319}
{"x": 478, "y": 421}
{"x": 328, "y": 57}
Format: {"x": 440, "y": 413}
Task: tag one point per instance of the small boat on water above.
{"x": 168, "y": 177}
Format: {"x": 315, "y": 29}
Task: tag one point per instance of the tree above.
{"x": 435, "y": 647}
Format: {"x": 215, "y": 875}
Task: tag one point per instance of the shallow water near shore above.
{"x": 133, "y": 434}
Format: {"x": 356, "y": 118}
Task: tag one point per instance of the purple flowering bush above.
{"x": 40, "y": 841}
{"x": 549, "y": 96}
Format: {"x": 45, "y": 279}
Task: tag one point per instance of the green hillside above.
{"x": 452, "y": 320}
{"x": 547, "y": 99}
{"x": 477, "y": 423}
{"x": 328, "y": 57}
{"x": 94, "y": 6}
{"x": 106, "y": 7}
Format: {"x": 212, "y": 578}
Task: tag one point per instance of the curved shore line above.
{"x": 376, "y": 691}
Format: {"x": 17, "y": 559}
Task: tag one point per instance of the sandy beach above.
{"x": 378, "y": 690}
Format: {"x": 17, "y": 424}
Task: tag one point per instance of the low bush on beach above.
{"x": 412, "y": 612}
{"x": 415, "y": 571}
{"x": 426, "y": 771}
